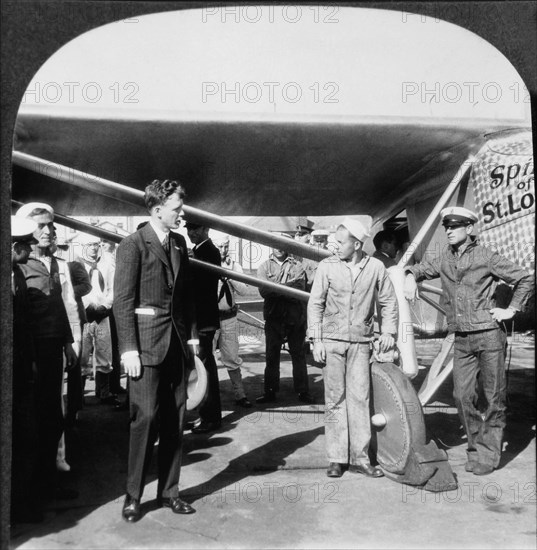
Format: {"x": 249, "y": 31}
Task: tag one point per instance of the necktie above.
{"x": 166, "y": 245}
{"x": 100, "y": 275}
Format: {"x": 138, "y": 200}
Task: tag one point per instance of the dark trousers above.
{"x": 75, "y": 393}
{"x": 275, "y": 334}
{"x": 25, "y": 445}
{"x": 211, "y": 409}
{"x": 48, "y": 396}
{"x": 479, "y": 363}
{"x": 115, "y": 375}
{"x": 157, "y": 408}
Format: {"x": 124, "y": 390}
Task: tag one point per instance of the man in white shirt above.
{"x": 96, "y": 338}
{"x": 227, "y": 336}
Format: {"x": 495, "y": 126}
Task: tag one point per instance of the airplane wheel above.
{"x": 398, "y": 423}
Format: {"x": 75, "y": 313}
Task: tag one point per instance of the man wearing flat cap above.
{"x": 340, "y": 323}
{"x": 52, "y": 338}
{"x": 470, "y": 273}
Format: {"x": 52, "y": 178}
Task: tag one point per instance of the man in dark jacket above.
{"x": 285, "y": 320}
{"x": 24, "y": 508}
{"x": 470, "y": 273}
{"x": 208, "y": 321}
{"x": 52, "y": 338}
{"x": 154, "y": 316}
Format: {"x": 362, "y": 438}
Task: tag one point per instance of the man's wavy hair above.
{"x": 159, "y": 191}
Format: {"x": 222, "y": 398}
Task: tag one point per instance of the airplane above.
{"x": 398, "y": 141}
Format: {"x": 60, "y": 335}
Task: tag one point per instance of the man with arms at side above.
{"x": 227, "y": 338}
{"x": 470, "y": 274}
{"x": 24, "y": 508}
{"x": 340, "y": 323}
{"x": 52, "y": 337}
{"x": 208, "y": 322}
{"x": 285, "y": 319}
{"x": 154, "y": 316}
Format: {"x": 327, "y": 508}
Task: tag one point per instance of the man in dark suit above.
{"x": 154, "y": 315}
{"x": 208, "y": 322}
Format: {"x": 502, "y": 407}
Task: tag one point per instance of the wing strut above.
{"x": 127, "y": 194}
{"x": 438, "y": 372}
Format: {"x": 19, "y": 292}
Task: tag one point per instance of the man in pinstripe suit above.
{"x": 154, "y": 315}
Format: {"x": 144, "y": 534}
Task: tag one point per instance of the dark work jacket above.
{"x": 46, "y": 306}
{"x": 23, "y": 340}
{"x": 469, "y": 282}
{"x": 206, "y": 286}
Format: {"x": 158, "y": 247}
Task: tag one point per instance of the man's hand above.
{"x": 132, "y": 366}
{"x": 386, "y": 342}
{"x": 499, "y": 314}
{"x": 70, "y": 356}
{"x": 411, "y": 288}
{"x": 319, "y": 352}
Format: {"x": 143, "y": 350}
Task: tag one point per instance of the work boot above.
{"x": 481, "y": 469}
{"x": 236, "y": 382}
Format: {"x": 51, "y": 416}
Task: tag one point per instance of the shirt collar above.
{"x": 160, "y": 234}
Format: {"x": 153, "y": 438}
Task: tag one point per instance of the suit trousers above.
{"x": 347, "y": 390}
{"x": 479, "y": 361}
{"x": 157, "y": 409}
{"x": 275, "y": 334}
{"x": 211, "y": 408}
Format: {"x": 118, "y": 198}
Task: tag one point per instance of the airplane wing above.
{"x": 368, "y": 165}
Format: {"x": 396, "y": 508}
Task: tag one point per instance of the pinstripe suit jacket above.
{"x": 152, "y": 297}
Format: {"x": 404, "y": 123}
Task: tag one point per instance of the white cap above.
{"x": 356, "y": 229}
{"x": 220, "y": 240}
{"x": 457, "y": 215}
{"x": 23, "y": 229}
{"x": 320, "y": 233}
{"x": 26, "y": 210}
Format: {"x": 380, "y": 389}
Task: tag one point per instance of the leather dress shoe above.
{"x": 334, "y": 470}
{"x": 481, "y": 469}
{"x": 366, "y": 469}
{"x": 121, "y": 407}
{"x": 243, "y": 402}
{"x": 305, "y": 397}
{"x": 177, "y": 505}
{"x": 131, "y": 509}
{"x": 268, "y": 397}
{"x": 470, "y": 465}
{"x": 206, "y": 427}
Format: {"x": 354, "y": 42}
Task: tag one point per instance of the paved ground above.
{"x": 260, "y": 482}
